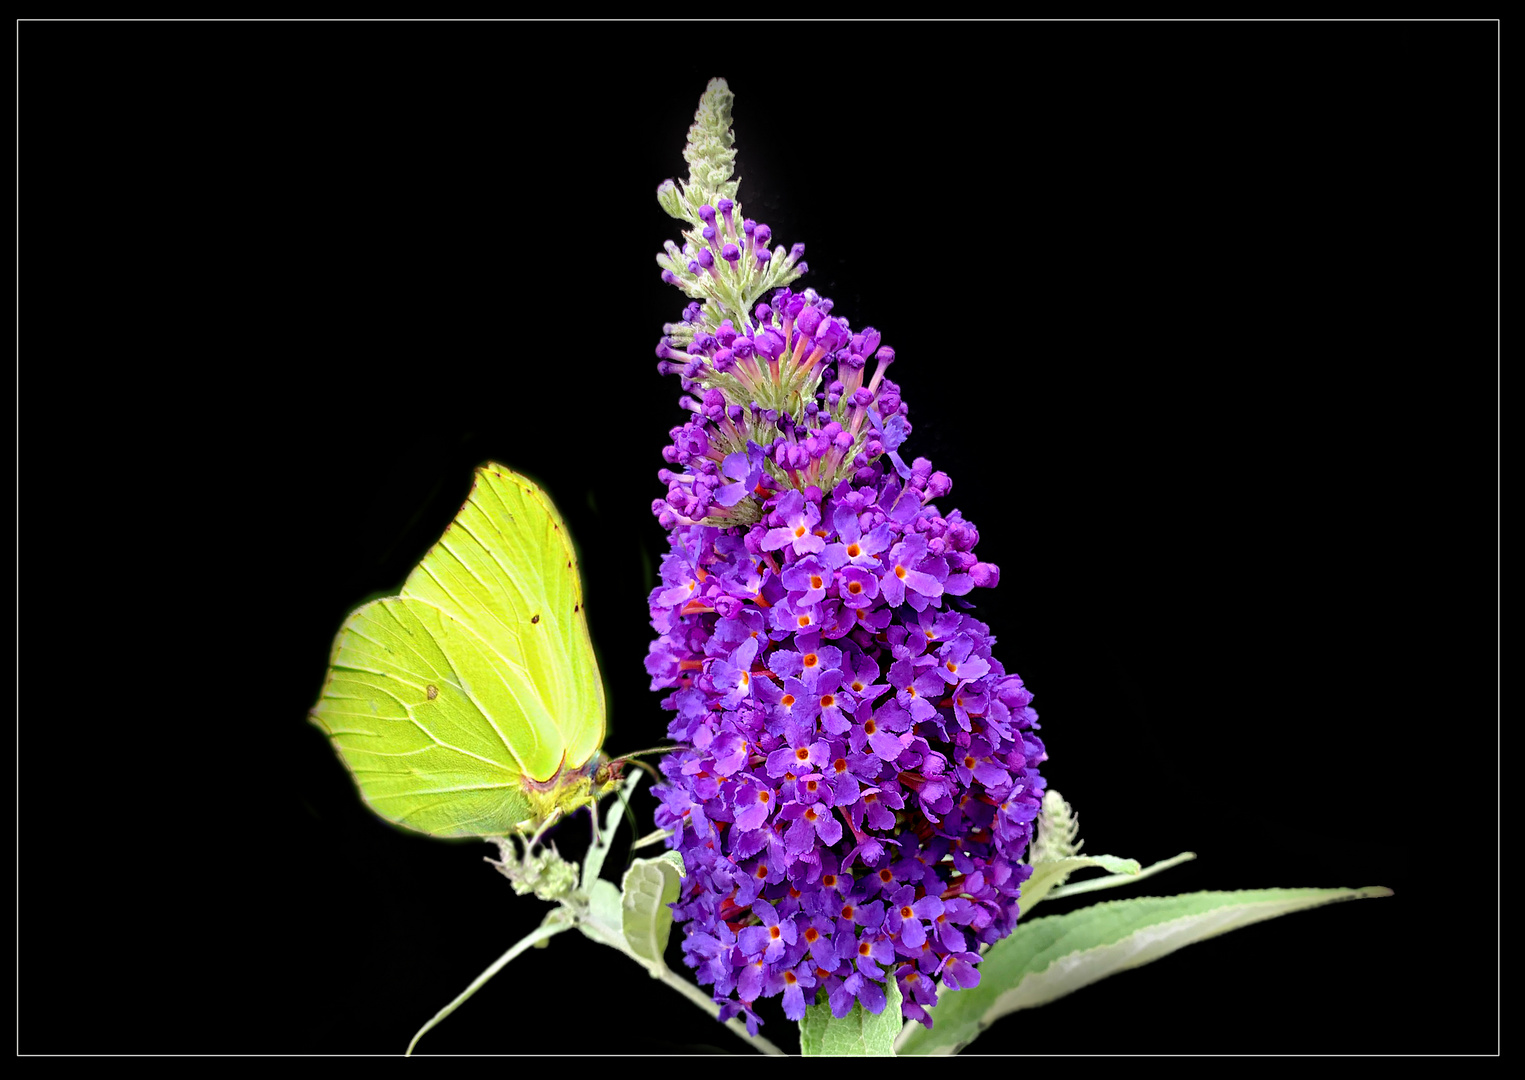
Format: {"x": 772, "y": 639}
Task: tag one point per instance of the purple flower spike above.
{"x": 858, "y": 780}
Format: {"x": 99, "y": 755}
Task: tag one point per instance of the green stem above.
{"x": 701, "y": 999}
{"x": 667, "y": 975}
{"x": 523, "y": 943}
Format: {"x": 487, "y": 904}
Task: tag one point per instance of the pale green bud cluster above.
{"x": 544, "y": 872}
{"x": 710, "y": 155}
{"x": 1058, "y": 830}
{"x": 727, "y": 288}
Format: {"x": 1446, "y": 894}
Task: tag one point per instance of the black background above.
{"x": 1198, "y": 316}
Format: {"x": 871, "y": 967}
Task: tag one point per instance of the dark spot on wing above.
{"x": 431, "y": 692}
{"x": 535, "y": 618}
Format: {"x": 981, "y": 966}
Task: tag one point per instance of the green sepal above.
{"x": 1050, "y": 957}
{"x": 858, "y": 1034}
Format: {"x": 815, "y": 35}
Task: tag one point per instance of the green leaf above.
{"x": 1111, "y": 881}
{"x": 1053, "y": 872}
{"x": 656, "y": 836}
{"x": 649, "y": 886}
{"x": 543, "y": 932}
{"x": 1048, "y": 958}
{"x": 858, "y": 1034}
{"x": 604, "y": 916}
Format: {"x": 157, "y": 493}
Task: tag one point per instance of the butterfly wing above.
{"x": 480, "y": 677}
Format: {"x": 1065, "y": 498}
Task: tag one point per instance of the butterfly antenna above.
{"x": 655, "y": 776}
{"x": 649, "y": 750}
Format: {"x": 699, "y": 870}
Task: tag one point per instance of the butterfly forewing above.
{"x": 506, "y": 571}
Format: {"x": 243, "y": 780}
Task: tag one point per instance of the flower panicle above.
{"x": 858, "y": 784}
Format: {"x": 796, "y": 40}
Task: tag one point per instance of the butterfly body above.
{"x": 471, "y": 703}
